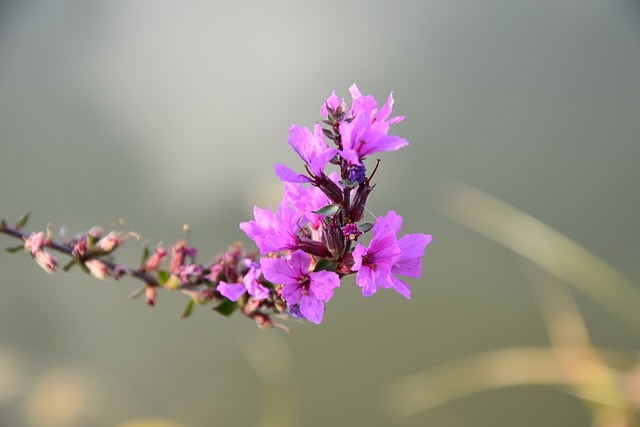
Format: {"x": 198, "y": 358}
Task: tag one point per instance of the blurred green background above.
{"x": 166, "y": 113}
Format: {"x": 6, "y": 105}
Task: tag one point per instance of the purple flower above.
{"x": 387, "y": 256}
{"x": 374, "y": 263}
{"x": 273, "y": 233}
{"x": 250, "y": 280}
{"x": 309, "y": 289}
{"x": 334, "y": 103}
{"x": 188, "y": 270}
{"x": 307, "y": 199}
{"x": 368, "y": 130}
{"x": 412, "y": 247}
{"x": 311, "y": 148}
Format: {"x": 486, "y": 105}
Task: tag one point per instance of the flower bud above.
{"x": 156, "y": 259}
{"x": 45, "y": 260}
{"x": 359, "y": 201}
{"x": 150, "y": 295}
{"x": 334, "y": 239}
{"x": 358, "y": 173}
{"x": 109, "y": 242}
{"x": 97, "y": 268}
{"x": 330, "y": 188}
{"x": 314, "y": 248}
{"x": 178, "y": 252}
{"x": 34, "y": 242}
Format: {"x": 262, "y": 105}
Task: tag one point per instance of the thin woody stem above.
{"x": 138, "y": 273}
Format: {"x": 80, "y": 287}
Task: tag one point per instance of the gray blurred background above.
{"x": 166, "y": 113}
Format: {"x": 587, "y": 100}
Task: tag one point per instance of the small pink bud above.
{"x": 263, "y": 320}
{"x": 156, "y": 259}
{"x": 150, "y": 293}
{"x": 45, "y": 260}
{"x": 34, "y": 242}
{"x": 109, "y": 242}
{"x": 177, "y": 255}
{"x": 97, "y": 268}
{"x": 95, "y": 232}
{"x": 80, "y": 248}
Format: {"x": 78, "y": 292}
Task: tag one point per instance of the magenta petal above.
{"x": 254, "y": 288}
{"x": 411, "y": 267}
{"x": 413, "y": 245}
{"x": 292, "y": 293}
{"x": 322, "y": 284}
{"x": 299, "y": 263}
{"x": 233, "y": 291}
{"x": 312, "y": 309}
{"x": 401, "y": 287}
{"x": 390, "y": 223}
{"x": 358, "y": 253}
{"x": 332, "y": 102}
{"x": 365, "y": 280}
{"x": 385, "y": 111}
{"x": 286, "y": 174}
{"x": 276, "y": 270}
{"x": 354, "y": 91}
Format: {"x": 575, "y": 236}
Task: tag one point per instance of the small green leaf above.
{"x": 328, "y": 210}
{"x": 226, "y": 307}
{"x": 22, "y": 221}
{"x": 347, "y": 183}
{"x": 137, "y": 293}
{"x": 68, "y": 265}
{"x": 188, "y": 309}
{"x": 145, "y": 254}
{"x": 325, "y": 264}
{"x": 163, "y": 276}
{"x": 15, "y": 249}
{"x": 366, "y": 226}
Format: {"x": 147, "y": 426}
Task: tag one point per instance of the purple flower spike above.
{"x": 309, "y": 289}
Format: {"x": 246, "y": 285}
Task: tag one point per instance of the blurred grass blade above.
{"x": 545, "y": 247}
{"x": 468, "y": 375}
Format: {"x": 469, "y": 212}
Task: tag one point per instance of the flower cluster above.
{"x": 312, "y": 240}
{"x": 307, "y": 244}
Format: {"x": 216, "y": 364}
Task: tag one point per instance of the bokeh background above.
{"x": 165, "y": 113}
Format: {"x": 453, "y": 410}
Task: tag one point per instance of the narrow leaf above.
{"x": 226, "y": 307}
{"x": 15, "y": 249}
{"x": 325, "y": 264}
{"x": 68, "y": 265}
{"x": 188, "y": 309}
{"x": 328, "y": 210}
{"x": 22, "y": 221}
{"x": 366, "y": 226}
{"x": 145, "y": 254}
